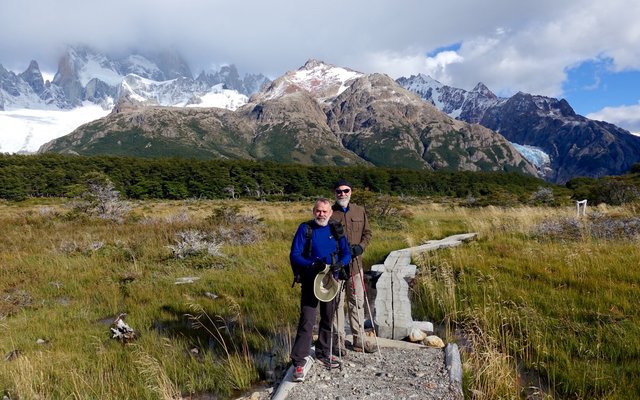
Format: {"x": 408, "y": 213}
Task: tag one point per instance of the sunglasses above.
{"x": 345, "y": 191}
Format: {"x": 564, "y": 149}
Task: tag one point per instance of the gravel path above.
{"x": 398, "y": 374}
{"x": 395, "y": 374}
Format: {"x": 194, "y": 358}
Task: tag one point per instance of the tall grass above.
{"x": 537, "y": 314}
{"x": 64, "y": 278}
{"x": 534, "y": 314}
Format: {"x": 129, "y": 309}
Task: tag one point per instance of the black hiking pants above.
{"x": 304, "y": 335}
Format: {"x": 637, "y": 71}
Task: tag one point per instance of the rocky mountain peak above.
{"x": 171, "y": 63}
{"x": 484, "y": 91}
{"x": 321, "y": 80}
{"x": 313, "y": 63}
{"x": 420, "y": 84}
{"x": 33, "y": 77}
{"x": 229, "y": 77}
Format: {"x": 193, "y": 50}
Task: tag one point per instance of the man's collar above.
{"x": 338, "y": 207}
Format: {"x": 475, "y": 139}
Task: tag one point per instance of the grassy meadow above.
{"x": 545, "y": 312}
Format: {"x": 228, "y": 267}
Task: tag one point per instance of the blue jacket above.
{"x": 323, "y": 245}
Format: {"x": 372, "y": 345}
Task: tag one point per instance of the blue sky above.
{"x": 594, "y": 85}
{"x": 587, "y": 51}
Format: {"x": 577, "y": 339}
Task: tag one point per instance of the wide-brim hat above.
{"x": 325, "y": 286}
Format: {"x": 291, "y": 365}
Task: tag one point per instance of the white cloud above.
{"x": 534, "y": 57}
{"x": 396, "y": 65}
{"x": 627, "y": 117}
{"x": 509, "y": 45}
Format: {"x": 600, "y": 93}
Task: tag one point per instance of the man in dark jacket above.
{"x": 310, "y": 254}
{"x": 356, "y": 227}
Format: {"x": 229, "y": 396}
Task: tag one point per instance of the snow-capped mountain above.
{"x": 322, "y": 81}
{"x": 228, "y": 76}
{"x": 319, "y": 114}
{"x": 574, "y": 145}
{"x": 179, "y": 92}
{"x": 86, "y": 78}
{"x": 28, "y": 90}
{"x": 465, "y": 105}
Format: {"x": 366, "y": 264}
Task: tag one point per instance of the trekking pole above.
{"x": 330, "y": 347}
{"x": 335, "y": 316}
{"x": 366, "y": 299}
{"x": 360, "y": 321}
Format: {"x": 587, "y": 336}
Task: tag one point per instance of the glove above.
{"x": 337, "y": 267}
{"x": 344, "y": 273}
{"x": 340, "y": 271}
{"x": 318, "y": 266}
{"x": 356, "y": 250}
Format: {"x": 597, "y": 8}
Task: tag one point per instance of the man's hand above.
{"x": 340, "y": 271}
{"x": 318, "y": 266}
{"x": 337, "y": 267}
{"x": 356, "y": 250}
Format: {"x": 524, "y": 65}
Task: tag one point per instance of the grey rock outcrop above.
{"x": 228, "y": 76}
{"x": 392, "y": 127}
{"x": 33, "y": 77}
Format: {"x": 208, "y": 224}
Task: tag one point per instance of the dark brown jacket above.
{"x": 356, "y": 227}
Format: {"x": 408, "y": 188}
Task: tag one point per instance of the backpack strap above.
{"x": 337, "y": 230}
{"x": 307, "y": 237}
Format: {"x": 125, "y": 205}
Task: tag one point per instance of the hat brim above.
{"x": 325, "y": 286}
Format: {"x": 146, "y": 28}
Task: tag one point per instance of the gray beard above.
{"x": 343, "y": 202}
{"x": 322, "y": 222}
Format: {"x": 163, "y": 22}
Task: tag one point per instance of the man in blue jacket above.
{"x": 310, "y": 253}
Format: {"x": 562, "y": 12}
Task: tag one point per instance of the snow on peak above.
{"x": 89, "y": 65}
{"x": 482, "y": 89}
{"x": 29, "y": 119}
{"x": 221, "y": 98}
{"x": 180, "y": 92}
{"x": 321, "y": 80}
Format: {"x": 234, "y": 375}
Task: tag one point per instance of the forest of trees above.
{"x": 55, "y": 175}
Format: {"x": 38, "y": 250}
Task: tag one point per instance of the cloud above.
{"x": 396, "y": 65}
{"x": 510, "y": 46}
{"x": 627, "y": 117}
{"x": 535, "y": 55}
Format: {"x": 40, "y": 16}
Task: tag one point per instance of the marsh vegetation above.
{"x": 539, "y": 303}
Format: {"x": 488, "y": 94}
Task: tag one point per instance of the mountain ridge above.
{"x": 85, "y": 74}
{"x": 575, "y": 145}
{"x": 320, "y": 114}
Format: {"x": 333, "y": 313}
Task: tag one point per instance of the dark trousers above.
{"x": 304, "y": 335}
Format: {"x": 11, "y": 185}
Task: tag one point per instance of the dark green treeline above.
{"x": 55, "y": 175}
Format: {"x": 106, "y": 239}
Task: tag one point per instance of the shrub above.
{"x": 230, "y": 226}
{"x": 543, "y": 195}
{"x": 596, "y": 226}
{"x": 100, "y": 199}
{"x": 194, "y": 242}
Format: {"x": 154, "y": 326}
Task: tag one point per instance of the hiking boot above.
{"x": 299, "y": 373}
{"x": 330, "y": 362}
{"x": 340, "y": 350}
{"x": 368, "y": 347}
